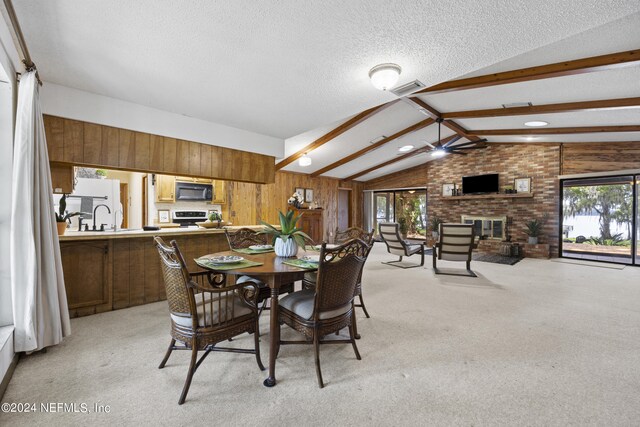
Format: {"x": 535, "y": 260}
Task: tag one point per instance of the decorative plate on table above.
{"x": 315, "y": 259}
{"x": 260, "y": 247}
{"x": 229, "y": 259}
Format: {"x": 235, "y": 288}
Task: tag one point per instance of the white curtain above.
{"x": 40, "y": 313}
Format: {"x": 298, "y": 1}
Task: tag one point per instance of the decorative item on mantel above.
{"x": 289, "y": 237}
{"x": 295, "y": 200}
{"x": 62, "y": 216}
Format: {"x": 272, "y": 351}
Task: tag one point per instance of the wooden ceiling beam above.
{"x": 565, "y": 68}
{"x": 397, "y": 159}
{"x": 435, "y": 114}
{"x": 556, "y": 131}
{"x": 420, "y": 125}
{"x": 604, "y": 104}
{"x": 357, "y": 119}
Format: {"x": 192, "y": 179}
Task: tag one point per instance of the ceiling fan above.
{"x": 441, "y": 147}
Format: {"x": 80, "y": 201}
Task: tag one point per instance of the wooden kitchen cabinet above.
{"x": 219, "y": 192}
{"x": 62, "y": 178}
{"x": 193, "y": 179}
{"x": 165, "y": 189}
{"x": 87, "y": 267}
{"x": 81, "y": 143}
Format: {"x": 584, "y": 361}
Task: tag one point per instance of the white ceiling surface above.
{"x": 393, "y": 119}
{"x": 610, "y": 84}
{"x": 619, "y": 117}
{"x": 575, "y": 138}
{"x": 282, "y": 68}
{"x": 617, "y": 36}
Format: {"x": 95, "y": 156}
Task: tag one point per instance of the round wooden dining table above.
{"x": 274, "y": 273}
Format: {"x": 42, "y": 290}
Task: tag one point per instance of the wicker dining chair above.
{"x": 329, "y": 308}
{"x": 343, "y": 236}
{"x": 204, "y": 311}
{"x": 242, "y": 239}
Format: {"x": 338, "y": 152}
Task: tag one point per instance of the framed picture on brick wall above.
{"x": 447, "y": 190}
{"x": 522, "y": 185}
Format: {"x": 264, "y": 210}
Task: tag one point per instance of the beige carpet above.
{"x": 538, "y": 343}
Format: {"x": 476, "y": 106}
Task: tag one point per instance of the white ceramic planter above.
{"x": 286, "y": 249}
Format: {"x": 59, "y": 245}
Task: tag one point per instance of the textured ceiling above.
{"x": 283, "y": 68}
{"x": 623, "y": 34}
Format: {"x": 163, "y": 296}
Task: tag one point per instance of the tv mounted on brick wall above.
{"x": 479, "y": 184}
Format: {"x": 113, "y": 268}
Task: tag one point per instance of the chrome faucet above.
{"x": 94, "y": 216}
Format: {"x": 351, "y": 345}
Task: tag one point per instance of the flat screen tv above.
{"x": 480, "y": 184}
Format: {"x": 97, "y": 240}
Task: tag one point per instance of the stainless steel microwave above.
{"x": 189, "y": 191}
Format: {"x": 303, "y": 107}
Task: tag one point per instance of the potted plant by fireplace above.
{"x": 62, "y": 216}
{"x": 289, "y": 237}
{"x": 534, "y": 230}
{"x": 435, "y": 226}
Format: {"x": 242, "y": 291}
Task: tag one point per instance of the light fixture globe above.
{"x": 304, "y": 161}
{"x": 385, "y": 76}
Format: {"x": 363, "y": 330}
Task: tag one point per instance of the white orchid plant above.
{"x": 295, "y": 199}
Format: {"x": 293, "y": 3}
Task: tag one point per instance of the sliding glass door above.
{"x": 407, "y": 207}
{"x": 599, "y": 220}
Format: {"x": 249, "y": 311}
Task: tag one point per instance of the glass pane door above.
{"x": 598, "y": 219}
{"x": 383, "y": 208}
{"x": 411, "y": 209}
{"x": 637, "y": 188}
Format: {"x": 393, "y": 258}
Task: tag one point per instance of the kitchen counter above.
{"x": 128, "y": 234}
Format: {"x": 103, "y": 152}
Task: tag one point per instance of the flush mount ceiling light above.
{"x": 536, "y": 123}
{"x": 304, "y": 160}
{"x": 405, "y": 148}
{"x": 385, "y": 76}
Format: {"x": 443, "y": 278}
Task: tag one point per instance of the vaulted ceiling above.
{"x": 298, "y": 72}
{"x": 593, "y": 105}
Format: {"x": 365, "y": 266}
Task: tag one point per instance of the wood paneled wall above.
{"x": 600, "y": 157}
{"x": 87, "y": 144}
{"x": 250, "y": 203}
{"x": 414, "y": 177}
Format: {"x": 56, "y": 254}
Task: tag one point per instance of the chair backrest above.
{"x": 176, "y": 278}
{"x": 244, "y": 237}
{"x": 456, "y": 242}
{"x": 338, "y": 273}
{"x": 351, "y": 233}
{"x": 390, "y": 234}
{"x": 201, "y": 300}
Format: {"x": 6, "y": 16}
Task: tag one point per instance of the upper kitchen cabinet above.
{"x": 219, "y": 192}
{"x": 62, "y": 178}
{"x": 165, "y": 188}
{"x": 78, "y": 143}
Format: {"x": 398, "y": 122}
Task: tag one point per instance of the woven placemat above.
{"x": 253, "y": 251}
{"x": 301, "y": 264}
{"x": 205, "y": 263}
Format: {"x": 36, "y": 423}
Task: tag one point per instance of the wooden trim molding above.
{"x": 357, "y": 119}
{"x": 420, "y": 125}
{"x": 565, "y": 68}
{"x": 556, "y": 131}
{"x": 604, "y": 104}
